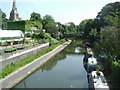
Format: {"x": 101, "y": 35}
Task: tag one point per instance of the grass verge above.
{"x": 14, "y": 66}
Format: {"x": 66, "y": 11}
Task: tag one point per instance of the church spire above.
{"x": 14, "y": 4}
{"x": 14, "y": 15}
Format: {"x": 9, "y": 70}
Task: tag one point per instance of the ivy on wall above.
{"x": 16, "y": 25}
{"x": 25, "y": 26}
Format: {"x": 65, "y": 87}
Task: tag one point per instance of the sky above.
{"x": 62, "y": 11}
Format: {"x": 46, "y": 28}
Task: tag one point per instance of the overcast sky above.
{"x": 63, "y": 11}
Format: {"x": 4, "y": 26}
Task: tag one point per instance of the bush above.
{"x": 4, "y": 44}
{"x": 62, "y": 40}
{"x": 115, "y": 74}
{"x": 8, "y": 50}
{"x": 53, "y": 41}
{"x": 0, "y": 52}
{"x": 26, "y": 41}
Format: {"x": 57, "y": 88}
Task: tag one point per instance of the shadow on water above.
{"x": 64, "y": 70}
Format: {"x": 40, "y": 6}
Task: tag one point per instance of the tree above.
{"x": 3, "y": 20}
{"x": 50, "y": 26}
{"x": 110, "y": 10}
{"x": 35, "y": 17}
{"x": 61, "y": 30}
{"x": 31, "y": 25}
{"x": 86, "y": 26}
{"x": 46, "y": 19}
{"x": 71, "y": 28}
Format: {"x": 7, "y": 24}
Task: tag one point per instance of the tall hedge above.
{"x": 16, "y": 25}
{"x": 25, "y": 26}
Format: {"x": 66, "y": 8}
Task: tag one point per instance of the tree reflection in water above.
{"x": 70, "y": 49}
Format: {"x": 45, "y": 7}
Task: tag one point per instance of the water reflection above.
{"x": 64, "y": 70}
{"x": 53, "y": 61}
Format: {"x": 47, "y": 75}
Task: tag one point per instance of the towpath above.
{"x": 18, "y": 75}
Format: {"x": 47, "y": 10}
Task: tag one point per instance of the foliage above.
{"x": 52, "y": 29}
{"x": 25, "y": 26}
{"x": 53, "y": 41}
{"x": 111, "y": 9}
{"x": 61, "y": 30}
{"x": 106, "y": 27}
{"x": 71, "y": 28}
{"x": 50, "y": 26}
{"x": 27, "y": 41}
{"x": 30, "y": 25}
{"x": 110, "y": 40}
{"x": 62, "y": 40}
{"x": 93, "y": 35}
{"x": 35, "y": 17}
{"x": 46, "y": 19}
{"x": 4, "y": 44}
{"x": 0, "y": 52}
{"x": 3, "y": 20}
{"x": 41, "y": 35}
{"x": 16, "y": 25}
{"x": 108, "y": 15}
{"x": 115, "y": 74}
{"x": 8, "y": 50}
{"x": 86, "y": 26}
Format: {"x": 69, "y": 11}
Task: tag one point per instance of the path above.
{"x": 5, "y": 61}
{"x": 26, "y": 70}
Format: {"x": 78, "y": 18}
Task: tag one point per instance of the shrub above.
{"x": 4, "y": 44}
{"x": 115, "y": 74}
{"x": 27, "y": 41}
{"x": 53, "y": 41}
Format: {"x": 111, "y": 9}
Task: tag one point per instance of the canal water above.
{"x": 64, "y": 70}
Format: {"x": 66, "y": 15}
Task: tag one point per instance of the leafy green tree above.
{"x": 108, "y": 22}
{"x": 3, "y": 20}
{"x": 86, "y": 26}
{"x": 61, "y": 29}
{"x": 71, "y": 28}
{"x": 30, "y": 25}
{"x": 110, "y": 40}
{"x": 35, "y": 17}
{"x": 50, "y": 26}
{"x": 82, "y": 26}
{"x": 47, "y": 19}
{"x": 65, "y": 29}
{"x": 109, "y": 11}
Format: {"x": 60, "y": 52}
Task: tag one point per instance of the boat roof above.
{"x": 99, "y": 81}
{"x": 92, "y": 61}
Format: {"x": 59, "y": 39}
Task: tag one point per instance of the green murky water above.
{"x": 64, "y": 70}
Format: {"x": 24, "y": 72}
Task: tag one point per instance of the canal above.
{"x": 64, "y": 70}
